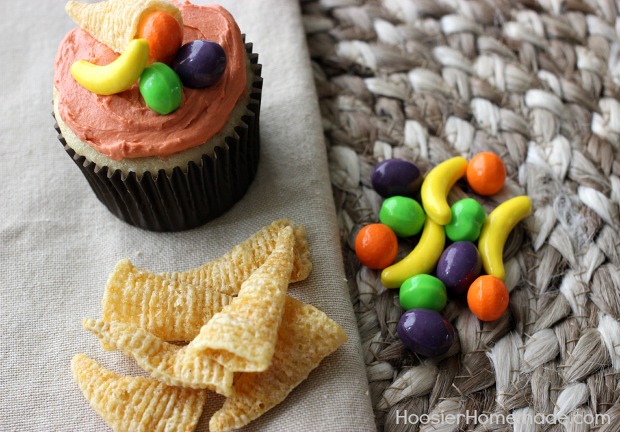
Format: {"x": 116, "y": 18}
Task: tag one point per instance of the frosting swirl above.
{"x": 122, "y": 126}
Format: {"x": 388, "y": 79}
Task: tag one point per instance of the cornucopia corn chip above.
{"x": 306, "y": 337}
{"x": 170, "y": 310}
{"x": 115, "y": 22}
{"x": 242, "y": 336}
{"x": 137, "y": 403}
{"x": 165, "y": 362}
{"x": 227, "y": 273}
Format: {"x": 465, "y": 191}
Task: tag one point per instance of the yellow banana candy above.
{"x": 495, "y": 232}
{"x": 422, "y": 259}
{"x": 117, "y": 76}
{"x": 436, "y": 186}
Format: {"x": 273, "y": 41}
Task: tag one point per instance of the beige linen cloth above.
{"x": 58, "y": 243}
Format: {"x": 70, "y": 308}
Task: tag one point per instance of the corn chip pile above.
{"x": 247, "y": 339}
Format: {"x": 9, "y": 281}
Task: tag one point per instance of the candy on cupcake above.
{"x": 163, "y": 149}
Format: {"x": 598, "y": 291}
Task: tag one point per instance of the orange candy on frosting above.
{"x": 164, "y": 35}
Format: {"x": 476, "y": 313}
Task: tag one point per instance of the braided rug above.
{"x": 537, "y": 82}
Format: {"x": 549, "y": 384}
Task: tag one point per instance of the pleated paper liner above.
{"x": 191, "y": 195}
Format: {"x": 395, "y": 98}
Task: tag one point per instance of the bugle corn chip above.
{"x": 137, "y": 403}
{"x": 305, "y": 337}
{"x": 242, "y": 336}
{"x": 227, "y": 273}
{"x": 170, "y": 310}
{"x": 163, "y": 361}
{"x": 115, "y": 22}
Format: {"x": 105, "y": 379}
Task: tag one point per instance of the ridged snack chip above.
{"x": 227, "y": 273}
{"x": 115, "y": 22}
{"x": 163, "y": 361}
{"x": 306, "y": 336}
{"x": 169, "y": 309}
{"x": 137, "y": 403}
{"x": 242, "y": 336}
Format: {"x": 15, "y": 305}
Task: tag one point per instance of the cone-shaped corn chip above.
{"x": 243, "y": 335}
{"x": 115, "y": 22}
{"x": 170, "y": 310}
{"x": 165, "y": 362}
{"x": 227, "y": 273}
{"x": 306, "y": 336}
{"x": 137, "y": 403}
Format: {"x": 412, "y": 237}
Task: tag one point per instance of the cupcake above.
{"x": 164, "y": 127}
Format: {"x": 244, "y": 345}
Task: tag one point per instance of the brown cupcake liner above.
{"x": 188, "y": 197}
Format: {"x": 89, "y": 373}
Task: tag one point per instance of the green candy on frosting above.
{"x": 161, "y": 88}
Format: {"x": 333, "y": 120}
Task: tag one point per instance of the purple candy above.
{"x": 396, "y": 177}
{"x": 425, "y": 332}
{"x": 459, "y": 266}
{"x": 200, "y": 63}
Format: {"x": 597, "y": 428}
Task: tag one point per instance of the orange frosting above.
{"x": 122, "y": 126}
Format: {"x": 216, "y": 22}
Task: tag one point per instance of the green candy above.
{"x": 161, "y": 88}
{"x": 423, "y": 291}
{"x": 468, "y": 216}
{"x": 404, "y": 215}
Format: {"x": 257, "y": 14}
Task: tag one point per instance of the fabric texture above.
{"x": 429, "y": 80}
{"x": 59, "y": 243}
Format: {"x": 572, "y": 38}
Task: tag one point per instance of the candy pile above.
{"x": 432, "y": 272}
{"x": 151, "y": 50}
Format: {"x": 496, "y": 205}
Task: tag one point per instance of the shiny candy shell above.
{"x": 425, "y": 332}
{"x": 376, "y": 246}
{"x": 404, "y": 215}
{"x": 468, "y": 216}
{"x": 394, "y": 177}
{"x": 200, "y": 63}
{"x": 163, "y": 33}
{"x": 488, "y": 298}
{"x": 486, "y": 173}
{"x": 161, "y": 88}
{"x": 459, "y": 265}
{"x": 423, "y": 291}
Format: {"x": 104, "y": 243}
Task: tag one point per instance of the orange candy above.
{"x": 486, "y": 173}
{"x": 164, "y": 35}
{"x": 488, "y": 298}
{"x": 376, "y": 246}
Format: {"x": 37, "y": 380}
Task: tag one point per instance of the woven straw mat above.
{"x": 537, "y": 82}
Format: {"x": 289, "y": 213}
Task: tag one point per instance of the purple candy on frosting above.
{"x": 200, "y": 63}
{"x": 425, "y": 332}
